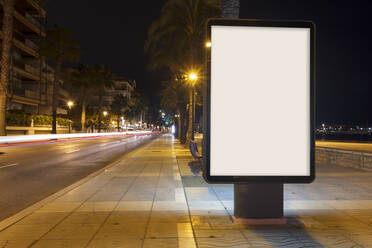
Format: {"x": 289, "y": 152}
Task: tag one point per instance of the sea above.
{"x": 365, "y": 137}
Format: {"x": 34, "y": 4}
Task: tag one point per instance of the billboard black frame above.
{"x": 207, "y": 103}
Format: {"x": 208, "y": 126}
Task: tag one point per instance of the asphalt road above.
{"x": 29, "y": 173}
{"x": 350, "y": 146}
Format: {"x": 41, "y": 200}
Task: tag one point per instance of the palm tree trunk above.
{"x": 55, "y": 94}
{"x": 83, "y": 111}
{"x": 8, "y": 9}
{"x": 189, "y": 129}
{"x": 230, "y": 9}
{"x": 178, "y": 124}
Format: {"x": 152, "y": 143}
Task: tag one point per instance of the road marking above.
{"x": 73, "y": 151}
{"x": 103, "y": 144}
{"x": 9, "y": 165}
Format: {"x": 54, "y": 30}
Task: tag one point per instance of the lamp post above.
{"x": 105, "y": 113}
{"x": 193, "y": 77}
{"x": 69, "y": 105}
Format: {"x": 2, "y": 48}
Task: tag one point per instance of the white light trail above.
{"x": 44, "y": 137}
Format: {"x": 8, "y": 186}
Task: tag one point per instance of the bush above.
{"x": 62, "y": 121}
{"x": 15, "y": 117}
{"x": 42, "y": 120}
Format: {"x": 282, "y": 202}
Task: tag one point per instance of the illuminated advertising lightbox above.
{"x": 259, "y": 101}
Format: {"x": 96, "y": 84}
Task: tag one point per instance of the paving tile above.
{"x": 123, "y": 217}
{"x": 161, "y": 243}
{"x": 123, "y": 242}
{"x": 59, "y": 207}
{"x": 134, "y": 206}
{"x": 18, "y": 243}
{"x": 73, "y": 231}
{"x": 122, "y": 231}
{"x": 86, "y": 217}
{"x": 25, "y": 232}
{"x": 169, "y": 206}
{"x": 100, "y": 206}
{"x": 60, "y": 243}
{"x": 169, "y": 216}
{"x": 43, "y": 218}
{"x": 169, "y": 230}
{"x": 232, "y": 242}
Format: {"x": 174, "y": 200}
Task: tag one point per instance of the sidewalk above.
{"x": 154, "y": 198}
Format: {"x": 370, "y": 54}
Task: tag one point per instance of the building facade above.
{"x": 31, "y": 79}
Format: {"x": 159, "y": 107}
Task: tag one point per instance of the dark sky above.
{"x": 113, "y": 33}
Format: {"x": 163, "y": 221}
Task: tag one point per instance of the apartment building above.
{"x": 30, "y": 77}
{"x": 121, "y": 86}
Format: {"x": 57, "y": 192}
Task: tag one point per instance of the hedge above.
{"x": 21, "y": 118}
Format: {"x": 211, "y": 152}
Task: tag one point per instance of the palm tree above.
{"x": 83, "y": 80}
{"x": 230, "y": 9}
{"x": 119, "y": 106}
{"x": 104, "y": 79}
{"x": 174, "y": 98}
{"x": 8, "y": 10}
{"x": 176, "y": 38}
{"x": 59, "y": 46}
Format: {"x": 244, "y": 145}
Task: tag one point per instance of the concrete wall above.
{"x": 353, "y": 159}
{"x": 11, "y": 130}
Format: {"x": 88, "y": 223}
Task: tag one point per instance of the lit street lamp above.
{"x": 105, "y": 113}
{"x": 193, "y": 77}
{"x": 208, "y": 44}
{"x": 69, "y": 105}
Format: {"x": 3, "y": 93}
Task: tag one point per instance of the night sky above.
{"x": 113, "y": 33}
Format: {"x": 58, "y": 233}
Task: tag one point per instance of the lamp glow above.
{"x": 193, "y": 76}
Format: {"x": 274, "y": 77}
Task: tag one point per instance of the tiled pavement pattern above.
{"x": 156, "y": 198}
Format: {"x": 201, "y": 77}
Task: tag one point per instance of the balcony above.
{"x": 30, "y": 23}
{"x": 25, "y": 45}
{"x": 26, "y": 71}
{"x": 26, "y": 96}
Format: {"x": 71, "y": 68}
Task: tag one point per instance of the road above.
{"x": 29, "y": 173}
{"x": 350, "y": 146}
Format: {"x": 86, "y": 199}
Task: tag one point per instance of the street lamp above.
{"x": 104, "y": 113}
{"x": 69, "y": 104}
{"x": 208, "y": 44}
{"x": 193, "y": 77}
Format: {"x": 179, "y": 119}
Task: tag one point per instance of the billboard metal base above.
{"x": 258, "y": 201}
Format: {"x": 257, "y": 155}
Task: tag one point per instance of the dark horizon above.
{"x": 114, "y": 34}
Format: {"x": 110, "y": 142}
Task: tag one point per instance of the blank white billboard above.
{"x": 259, "y": 101}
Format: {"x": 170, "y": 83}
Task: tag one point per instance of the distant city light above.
{"x": 173, "y": 129}
{"x": 104, "y": 113}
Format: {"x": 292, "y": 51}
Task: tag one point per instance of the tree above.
{"x": 174, "y": 98}
{"x": 104, "y": 79}
{"x": 119, "y": 106}
{"x": 59, "y": 46}
{"x": 83, "y": 80}
{"x": 175, "y": 40}
{"x": 8, "y": 10}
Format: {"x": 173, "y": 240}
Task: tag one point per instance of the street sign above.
{"x": 259, "y": 101}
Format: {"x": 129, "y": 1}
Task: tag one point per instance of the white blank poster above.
{"x": 260, "y": 101}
